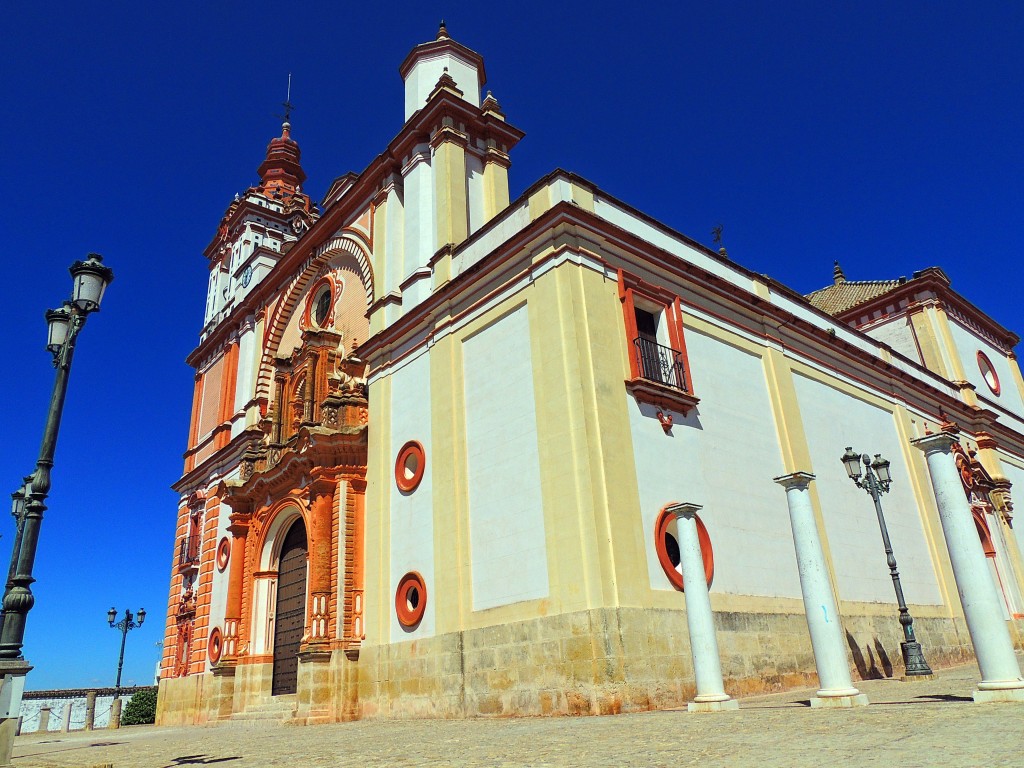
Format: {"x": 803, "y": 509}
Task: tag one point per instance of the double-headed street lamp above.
{"x": 876, "y": 481}
{"x": 90, "y": 279}
{"x": 124, "y": 625}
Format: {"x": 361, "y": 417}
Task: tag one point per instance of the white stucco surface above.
{"x": 412, "y": 514}
{"x": 423, "y": 77}
{"x": 968, "y": 344}
{"x": 898, "y": 334}
{"x": 506, "y": 517}
{"x": 722, "y": 456}
{"x": 475, "y": 191}
{"x": 832, "y": 421}
{"x": 419, "y": 213}
{"x": 1015, "y": 474}
{"x": 219, "y": 588}
{"x": 394, "y": 241}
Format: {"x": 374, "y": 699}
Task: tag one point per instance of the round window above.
{"x": 322, "y": 306}
{"x": 411, "y": 600}
{"x": 223, "y": 554}
{"x": 409, "y": 466}
{"x": 988, "y": 373}
{"x": 666, "y": 543}
{"x": 214, "y": 645}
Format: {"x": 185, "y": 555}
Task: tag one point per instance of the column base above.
{"x": 713, "y": 706}
{"x": 839, "y": 702}
{"x": 1004, "y": 694}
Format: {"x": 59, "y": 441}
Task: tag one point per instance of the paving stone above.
{"x": 909, "y": 724}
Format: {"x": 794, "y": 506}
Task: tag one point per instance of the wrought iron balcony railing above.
{"x": 188, "y": 550}
{"x": 661, "y": 364}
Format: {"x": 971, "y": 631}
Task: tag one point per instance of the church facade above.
{"x": 436, "y": 435}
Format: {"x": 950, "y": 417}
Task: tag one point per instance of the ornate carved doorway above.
{"x": 290, "y": 611}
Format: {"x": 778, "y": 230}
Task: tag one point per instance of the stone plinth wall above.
{"x": 620, "y": 660}
{"x": 594, "y": 662}
{"x": 180, "y": 700}
{"x": 59, "y": 700}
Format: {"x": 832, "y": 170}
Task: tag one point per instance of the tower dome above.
{"x": 281, "y": 174}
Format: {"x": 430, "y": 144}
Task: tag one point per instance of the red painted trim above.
{"x": 984, "y": 533}
{"x": 409, "y": 616}
{"x": 984, "y": 362}
{"x": 307, "y": 312}
{"x": 214, "y": 645}
{"x": 411, "y": 449}
{"x": 223, "y": 554}
{"x": 707, "y": 554}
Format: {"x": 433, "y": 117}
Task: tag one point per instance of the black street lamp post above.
{"x": 124, "y": 625}
{"x": 876, "y": 481}
{"x": 90, "y": 279}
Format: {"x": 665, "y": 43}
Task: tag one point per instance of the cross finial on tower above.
{"x": 716, "y": 234}
{"x": 442, "y": 31}
{"x": 288, "y": 106}
{"x": 837, "y": 273}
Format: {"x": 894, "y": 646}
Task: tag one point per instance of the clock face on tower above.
{"x": 246, "y": 276}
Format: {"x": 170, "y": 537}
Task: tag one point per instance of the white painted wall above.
{"x": 219, "y": 588}
{"x": 968, "y": 344}
{"x": 1015, "y": 474}
{"x": 394, "y": 240}
{"x": 506, "y": 516}
{"x": 832, "y": 421}
{"x": 898, "y": 334}
{"x": 412, "y": 514}
{"x": 475, "y": 191}
{"x": 722, "y": 456}
{"x": 423, "y": 76}
{"x": 420, "y": 235}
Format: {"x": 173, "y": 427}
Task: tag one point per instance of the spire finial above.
{"x": 287, "y": 104}
{"x": 837, "y": 273}
{"x": 716, "y": 235}
{"x": 442, "y": 31}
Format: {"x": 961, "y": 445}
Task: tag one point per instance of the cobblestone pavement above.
{"x": 922, "y": 723}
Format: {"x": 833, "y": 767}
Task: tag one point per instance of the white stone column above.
{"x": 823, "y": 620}
{"x": 1000, "y": 674}
{"x": 707, "y": 666}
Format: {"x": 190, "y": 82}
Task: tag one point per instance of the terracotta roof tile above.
{"x": 836, "y": 299}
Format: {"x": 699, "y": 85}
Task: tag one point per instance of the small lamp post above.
{"x": 876, "y": 480}
{"x": 125, "y": 624}
{"x": 90, "y": 279}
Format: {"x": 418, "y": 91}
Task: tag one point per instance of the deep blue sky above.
{"x": 885, "y": 135}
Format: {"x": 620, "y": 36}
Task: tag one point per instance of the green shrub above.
{"x": 141, "y": 708}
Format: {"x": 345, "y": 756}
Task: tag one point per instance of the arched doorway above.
{"x": 290, "y": 609}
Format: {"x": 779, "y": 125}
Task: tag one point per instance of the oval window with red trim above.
{"x": 319, "y": 312}
{"x": 411, "y": 600}
{"x": 988, "y": 373}
{"x": 223, "y": 554}
{"x": 213, "y": 646}
{"x": 666, "y": 543}
{"x": 409, "y": 466}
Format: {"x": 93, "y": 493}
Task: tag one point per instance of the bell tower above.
{"x": 258, "y": 227}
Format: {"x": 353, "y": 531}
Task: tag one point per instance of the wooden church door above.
{"x": 290, "y": 611}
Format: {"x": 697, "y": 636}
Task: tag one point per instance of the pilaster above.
{"x": 1000, "y": 672}
{"x": 496, "y": 165}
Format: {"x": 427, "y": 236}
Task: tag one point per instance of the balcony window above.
{"x": 658, "y": 371}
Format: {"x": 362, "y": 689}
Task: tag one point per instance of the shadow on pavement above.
{"x": 945, "y": 697}
{"x": 200, "y": 760}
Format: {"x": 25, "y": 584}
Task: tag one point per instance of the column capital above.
{"x": 684, "y": 509}
{"x": 794, "y": 480}
{"x": 940, "y": 441}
